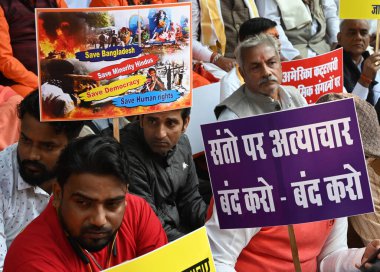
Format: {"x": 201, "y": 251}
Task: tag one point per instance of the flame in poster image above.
{"x": 58, "y": 43}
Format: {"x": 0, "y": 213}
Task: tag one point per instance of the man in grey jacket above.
{"x": 162, "y": 170}
{"x": 260, "y": 67}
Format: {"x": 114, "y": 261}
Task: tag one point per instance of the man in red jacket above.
{"x": 92, "y": 223}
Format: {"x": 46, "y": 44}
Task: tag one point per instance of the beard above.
{"x": 37, "y": 177}
{"x": 94, "y": 245}
{"x": 90, "y": 244}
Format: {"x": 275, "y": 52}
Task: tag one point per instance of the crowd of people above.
{"x": 75, "y": 200}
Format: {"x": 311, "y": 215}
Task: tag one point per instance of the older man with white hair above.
{"x": 260, "y": 66}
{"x": 322, "y": 245}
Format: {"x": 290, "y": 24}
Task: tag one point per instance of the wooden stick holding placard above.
{"x": 116, "y": 130}
{"x": 293, "y": 245}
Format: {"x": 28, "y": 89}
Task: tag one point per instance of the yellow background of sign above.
{"x": 100, "y": 93}
{"x": 174, "y": 257}
{"x": 358, "y": 9}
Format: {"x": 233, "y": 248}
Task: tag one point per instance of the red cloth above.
{"x": 43, "y": 246}
{"x": 199, "y": 81}
{"x": 9, "y": 122}
{"x": 201, "y": 76}
{"x": 269, "y": 249}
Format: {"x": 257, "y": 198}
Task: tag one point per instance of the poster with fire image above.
{"x": 112, "y": 62}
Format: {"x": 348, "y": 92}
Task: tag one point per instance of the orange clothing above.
{"x": 201, "y": 76}
{"x": 199, "y": 81}
{"x": 11, "y": 67}
{"x": 9, "y": 122}
{"x": 108, "y": 3}
{"x": 269, "y": 249}
{"x": 275, "y": 241}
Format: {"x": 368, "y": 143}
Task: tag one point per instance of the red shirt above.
{"x": 43, "y": 245}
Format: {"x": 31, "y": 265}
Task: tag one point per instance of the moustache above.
{"x": 95, "y": 229}
{"x": 267, "y": 79}
{"x": 34, "y": 164}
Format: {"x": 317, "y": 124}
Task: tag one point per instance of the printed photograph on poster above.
{"x": 113, "y": 62}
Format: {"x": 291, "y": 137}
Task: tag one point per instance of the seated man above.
{"x": 321, "y": 245}
{"x": 260, "y": 66}
{"x": 215, "y": 33}
{"x": 18, "y": 58}
{"x": 210, "y": 43}
{"x": 254, "y": 26}
{"x": 92, "y": 223}
{"x": 311, "y": 26}
{"x": 360, "y": 69}
{"x": 162, "y": 170}
{"x": 27, "y": 169}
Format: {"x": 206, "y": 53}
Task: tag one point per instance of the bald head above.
{"x": 354, "y": 37}
{"x": 344, "y": 23}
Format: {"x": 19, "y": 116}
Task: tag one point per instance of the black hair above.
{"x": 185, "y": 112}
{"x": 255, "y": 26}
{"x": 30, "y": 105}
{"x": 93, "y": 154}
{"x": 58, "y": 68}
{"x": 151, "y": 69}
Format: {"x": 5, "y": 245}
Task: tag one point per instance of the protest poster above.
{"x": 294, "y": 166}
{"x": 189, "y": 253}
{"x": 363, "y": 9}
{"x": 112, "y": 62}
{"x": 315, "y": 76}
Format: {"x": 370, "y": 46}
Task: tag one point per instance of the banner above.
{"x": 363, "y": 9}
{"x": 190, "y": 253}
{"x": 113, "y": 62}
{"x": 315, "y": 76}
{"x": 288, "y": 167}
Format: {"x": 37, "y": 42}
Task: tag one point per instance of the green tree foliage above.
{"x": 99, "y": 19}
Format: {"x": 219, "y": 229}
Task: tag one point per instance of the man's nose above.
{"x": 358, "y": 35}
{"x": 266, "y": 71}
{"x": 34, "y": 153}
{"x": 161, "y": 132}
{"x": 99, "y": 217}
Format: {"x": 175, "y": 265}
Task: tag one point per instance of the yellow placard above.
{"x": 189, "y": 253}
{"x": 113, "y": 89}
{"x": 359, "y": 9}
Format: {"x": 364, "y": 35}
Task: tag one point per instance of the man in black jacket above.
{"x": 359, "y": 67}
{"x": 162, "y": 170}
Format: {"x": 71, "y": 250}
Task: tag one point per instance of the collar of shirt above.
{"x": 22, "y": 185}
{"x": 284, "y": 97}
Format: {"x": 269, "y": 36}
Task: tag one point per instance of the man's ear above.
{"x": 57, "y": 194}
{"x": 185, "y": 124}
